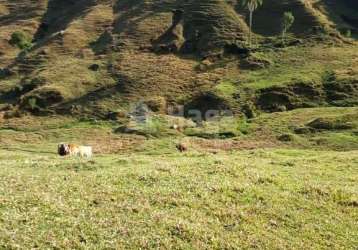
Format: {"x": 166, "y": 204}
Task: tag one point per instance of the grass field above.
{"x": 148, "y": 195}
{"x": 281, "y": 173}
{"x": 271, "y": 199}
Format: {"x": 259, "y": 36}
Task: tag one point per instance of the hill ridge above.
{"x": 171, "y": 49}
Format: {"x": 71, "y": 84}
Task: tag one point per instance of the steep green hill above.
{"x": 94, "y": 57}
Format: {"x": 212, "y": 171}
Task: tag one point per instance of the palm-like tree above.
{"x": 251, "y": 5}
{"x": 287, "y": 20}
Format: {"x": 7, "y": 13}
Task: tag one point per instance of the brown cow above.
{"x": 182, "y": 147}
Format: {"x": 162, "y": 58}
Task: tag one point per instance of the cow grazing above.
{"x": 181, "y": 147}
{"x": 74, "y": 150}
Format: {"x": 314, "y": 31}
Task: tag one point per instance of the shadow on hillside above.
{"x": 103, "y": 43}
{"x": 91, "y": 98}
{"x": 60, "y": 13}
{"x": 19, "y": 13}
{"x": 351, "y": 4}
{"x": 267, "y": 18}
{"x": 203, "y": 24}
{"x": 96, "y": 95}
{"x": 127, "y": 9}
{"x": 344, "y": 14}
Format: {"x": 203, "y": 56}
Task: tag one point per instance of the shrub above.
{"x": 348, "y": 33}
{"x": 6, "y": 72}
{"x": 249, "y": 110}
{"x": 20, "y": 40}
{"x": 243, "y": 126}
{"x": 329, "y": 76}
{"x": 32, "y": 103}
{"x": 286, "y": 138}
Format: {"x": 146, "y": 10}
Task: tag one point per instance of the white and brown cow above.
{"x": 74, "y": 150}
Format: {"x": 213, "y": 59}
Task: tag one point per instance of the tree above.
{"x": 251, "y": 5}
{"x": 287, "y": 20}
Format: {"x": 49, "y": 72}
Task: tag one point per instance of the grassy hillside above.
{"x": 276, "y": 168}
{"x": 252, "y": 199}
{"x": 140, "y": 192}
{"x": 279, "y": 182}
{"x": 99, "y": 56}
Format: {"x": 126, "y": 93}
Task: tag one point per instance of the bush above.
{"x": 32, "y": 103}
{"x": 329, "y": 76}
{"x": 249, "y": 110}
{"x": 286, "y": 137}
{"x": 6, "y": 73}
{"x": 20, "y": 40}
{"x": 348, "y": 33}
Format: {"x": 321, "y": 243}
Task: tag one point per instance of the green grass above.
{"x": 226, "y": 127}
{"x": 297, "y": 195}
{"x": 249, "y": 199}
{"x": 226, "y": 88}
{"x": 302, "y": 63}
{"x": 336, "y": 140}
{"x": 276, "y": 124}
